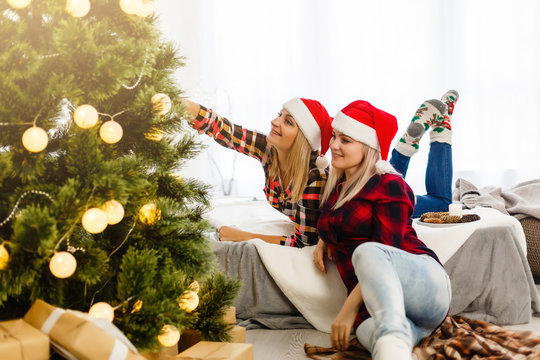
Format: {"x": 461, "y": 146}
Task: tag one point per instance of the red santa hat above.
{"x": 315, "y": 123}
{"x": 365, "y": 123}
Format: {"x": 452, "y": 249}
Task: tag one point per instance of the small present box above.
{"x": 165, "y": 353}
{"x": 80, "y": 335}
{"x": 208, "y": 350}
{"x": 188, "y": 339}
{"x": 19, "y": 340}
{"x": 230, "y": 315}
{"x": 238, "y": 334}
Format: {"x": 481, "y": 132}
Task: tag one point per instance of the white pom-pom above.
{"x": 384, "y": 167}
{"x": 322, "y": 162}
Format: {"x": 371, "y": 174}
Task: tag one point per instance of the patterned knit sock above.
{"x": 429, "y": 112}
{"x": 441, "y": 131}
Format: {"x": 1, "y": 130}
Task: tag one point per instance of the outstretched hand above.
{"x": 321, "y": 251}
{"x": 228, "y": 233}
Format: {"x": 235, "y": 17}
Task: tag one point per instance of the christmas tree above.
{"x": 93, "y": 213}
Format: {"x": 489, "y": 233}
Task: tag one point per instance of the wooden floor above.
{"x": 289, "y": 344}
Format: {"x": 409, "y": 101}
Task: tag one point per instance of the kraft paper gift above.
{"x": 20, "y": 341}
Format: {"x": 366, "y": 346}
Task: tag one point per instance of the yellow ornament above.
{"x": 85, "y": 116}
{"x": 78, "y": 8}
{"x": 111, "y": 132}
{"x": 188, "y": 301}
{"x": 137, "y": 306}
{"x": 114, "y": 211}
{"x": 131, "y": 7}
{"x": 149, "y": 214}
{"x": 35, "y": 139}
{"x": 161, "y": 103}
{"x": 169, "y": 336}
{"x": 19, "y": 4}
{"x": 94, "y": 220}
{"x": 4, "y": 257}
{"x": 154, "y": 134}
{"x": 102, "y": 310}
{"x": 63, "y": 264}
{"x": 194, "y": 286}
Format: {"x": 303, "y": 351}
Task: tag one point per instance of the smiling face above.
{"x": 347, "y": 153}
{"x": 283, "y": 132}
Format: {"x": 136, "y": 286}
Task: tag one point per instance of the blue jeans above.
{"x": 438, "y": 178}
{"x": 407, "y": 295}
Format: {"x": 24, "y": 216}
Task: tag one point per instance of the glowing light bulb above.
{"x": 78, "y": 8}
{"x": 35, "y": 139}
{"x": 188, "y": 301}
{"x": 169, "y": 336}
{"x": 94, "y": 220}
{"x": 111, "y": 132}
{"x": 4, "y": 257}
{"x": 102, "y": 310}
{"x": 130, "y": 7}
{"x": 63, "y": 264}
{"x": 146, "y": 9}
{"x": 85, "y": 116}
{"x": 19, "y": 4}
{"x": 114, "y": 211}
{"x": 161, "y": 103}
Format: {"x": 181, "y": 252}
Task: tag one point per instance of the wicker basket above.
{"x": 531, "y": 227}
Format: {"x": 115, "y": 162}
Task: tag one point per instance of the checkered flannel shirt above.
{"x": 303, "y": 213}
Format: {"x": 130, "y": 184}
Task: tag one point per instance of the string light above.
{"x": 130, "y": 7}
{"x": 19, "y": 4}
{"x": 111, "y": 132}
{"x": 63, "y": 264}
{"x": 78, "y": 8}
{"x": 102, "y": 310}
{"x": 114, "y": 211}
{"x": 146, "y": 9}
{"x": 35, "y": 139}
{"x": 4, "y": 257}
{"x": 85, "y": 116}
{"x": 94, "y": 220}
{"x": 169, "y": 336}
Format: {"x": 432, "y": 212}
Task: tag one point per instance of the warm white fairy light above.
{"x": 169, "y": 336}
{"x": 35, "y": 139}
{"x": 102, "y": 310}
{"x": 63, "y": 264}
{"x": 114, "y": 211}
{"x": 130, "y": 7}
{"x": 111, "y": 132}
{"x": 85, "y": 116}
{"x": 94, "y": 220}
{"x": 19, "y": 4}
{"x": 78, "y": 8}
{"x": 146, "y": 9}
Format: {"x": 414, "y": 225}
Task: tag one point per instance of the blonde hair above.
{"x": 353, "y": 185}
{"x": 297, "y": 166}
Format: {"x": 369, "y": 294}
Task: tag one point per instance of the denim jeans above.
{"x": 407, "y": 295}
{"x": 438, "y": 178}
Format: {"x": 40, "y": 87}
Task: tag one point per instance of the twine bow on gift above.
{"x": 6, "y": 333}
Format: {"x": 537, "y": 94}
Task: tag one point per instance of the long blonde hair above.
{"x": 297, "y": 165}
{"x": 353, "y": 185}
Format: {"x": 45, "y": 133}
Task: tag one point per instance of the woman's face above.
{"x": 347, "y": 153}
{"x": 283, "y": 131}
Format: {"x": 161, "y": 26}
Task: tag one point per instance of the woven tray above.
{"x": 531, "y": 227}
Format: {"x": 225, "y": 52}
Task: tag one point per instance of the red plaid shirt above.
{"x": 381, "y": 212}
{"x": 303, "y": 213}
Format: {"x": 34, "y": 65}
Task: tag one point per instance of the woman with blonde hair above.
{"x": 398, "y": 292}
{"x": 292, "y": 156}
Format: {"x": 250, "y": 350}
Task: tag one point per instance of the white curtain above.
{"x": 244, "y": 58}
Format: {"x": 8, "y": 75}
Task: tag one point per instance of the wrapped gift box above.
{"x": 207, "y": 350}
{"x": 20, "y": 341}
{"x": 230, "y": 315}
{"x": 81, "y": 335}
{"x": 238, "y": 334}
{"x": 165, "y": 353}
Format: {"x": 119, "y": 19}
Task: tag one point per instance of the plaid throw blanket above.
{"x": 457, "y": 338}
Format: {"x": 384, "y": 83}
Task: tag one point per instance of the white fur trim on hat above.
{"x": 305, "y": 120}
{"x": 384, "y": 167}
{"x": 356, "y": 130}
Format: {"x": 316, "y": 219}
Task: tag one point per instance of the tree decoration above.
{"x": 4, "y": 257}
{"x": 149, "y": 214}
{"x": 137, "y": 306}
{"x": 131, "y": 7}
{"x": 85, "y": 116}
{"x": 63, "y": 264}
{"x": 114, "y": 211}
{"x": 78, "y": 8}
{"x": 94, "y": 220}
{"x": 111, "y": 132}
{"x": 146, "y": 9}
{"x": 169, "y": 336}
{"x": 35, "y": 139}
{"x": 188, "y": 301}
{"x": 161, "y": 103}
{"x": 194, "y": 286}
{"x": 154, "y": 135}
{"x": 19, "y": 4}
{"x": 102, "y": 310}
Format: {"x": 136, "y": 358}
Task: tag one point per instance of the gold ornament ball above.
{"x": 114, "y": 211}
{"x": 111, "y": 132}
{"x": 169, "y": 336}
{"x": 85, "y": 116}
{"x": 188, "y": 301}
{"x": 94, "y": 220}
{"x": 35, "y": 139}
{"x": 149, "y": 214}
{"x": 137, "y": 306}
{"x": 63, "y": 264}
{"x": 78, "y": 8}
{"x": 102, "y": 310}
{"x": 154, "y": 135}
{"x": 4, "y": 257}
{"x": 19, "y": 4}
{"x": 130, "y": 7}
{"x": 161, "y": 103}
